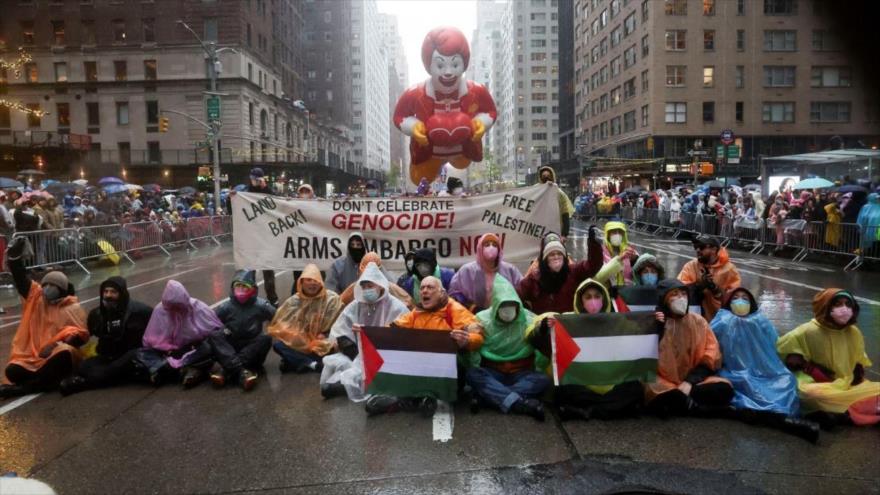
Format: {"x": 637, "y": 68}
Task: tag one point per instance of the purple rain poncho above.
{"x": 179, "y": 321}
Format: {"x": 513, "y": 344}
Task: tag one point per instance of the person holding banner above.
{"x": 394, "y": 290}
{"x": 828, "y": 357}
{"x": 647, "y": 271}
{"x": 301, "y": 324}
{"x": 435, "y": 311}
{"x": 425, "y": 265}
{"x": 551, "y": 288}
{"x": 547, "y": 175}
{"x": 617, "y": 255}
{"x": 689, "y": 358}
{"x": 473, "y": 284}
{"x": 258, "y": 184}
{"x": 373, "y": 305}
{"x": 505, "y": 375}
{"x": 712, "y": 275}
{"x": 344, "y": 271}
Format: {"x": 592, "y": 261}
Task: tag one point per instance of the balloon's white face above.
{"x": 446, "y": 71}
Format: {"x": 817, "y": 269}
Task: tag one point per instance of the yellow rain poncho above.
{"x": 302, "y": 322}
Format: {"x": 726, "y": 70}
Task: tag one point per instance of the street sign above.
{"x": 697, "y": 153}
{"x": 213, "y": 104}
{"x": 727, "y": 136}
{"x": 732, "y": 152}
{"x": 698, "y": 143}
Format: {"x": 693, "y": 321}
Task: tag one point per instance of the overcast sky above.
{"x": 416, "y": 17}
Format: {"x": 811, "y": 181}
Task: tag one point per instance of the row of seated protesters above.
{"x": 736, "y": 366}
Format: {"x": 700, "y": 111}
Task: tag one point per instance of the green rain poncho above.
{"x": 503, "y": 341}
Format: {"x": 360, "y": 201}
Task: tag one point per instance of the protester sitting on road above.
{"x": 648, "y": 271}
{"x": 301, "y": 324}
{"x": 177, "y": 326}
{"x": 504, "y": 373}
{"x": 240, "y": 348}
{"x": 712, "y": 275}
{"x": 373, "y": 305}
{"x": 828, "y": 356}
{"x": 394, "y": 290}
{"x": 551, "y": 288}
{"x": 599, "y": 401}
{"x": 473, "y": 282}
{"x": 617, "y": 255}
{"x": 52, "y": 327}
{"x": 425, "y": 265}
{"x": 344, "y": 271}
{"x": 548, "y": 176}
{"x": 435, "y": 311}
{"x": 765, "y": 392}
{"x": 118, "y": 324}
{"x": 688, "y": 359}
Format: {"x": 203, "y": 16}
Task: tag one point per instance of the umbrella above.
{"x": 240, "y": 188}
{"x": 714, "y": 184}
{"x": 152, "y": 187}
{"x": 732, "y": 182}
{"x": 634, "y": 189}
{"x": 62, "y": 188}
{"x": 852, "y": 188}
{"x": 115, "y": 188}
{"x": 752, "y": 187}
{"x": 185, "y": 191}
{"x": 134, "y": 187}
{"x": 9, "y": 183}
{"x": 30, "y": 171}
{"x": 110, "y": 180}
{"x": 81, "y": 182}
{"x": 814, "y": 183}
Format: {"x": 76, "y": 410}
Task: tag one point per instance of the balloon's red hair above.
{"x": 447, "y": 41}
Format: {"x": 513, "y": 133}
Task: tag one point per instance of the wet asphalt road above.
{"x": 284, "y": 438}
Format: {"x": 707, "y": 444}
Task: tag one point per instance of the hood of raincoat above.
{"x": 370, "y": 257}
{"x": 310, "y": 271}
{"x": 552, "y": 173}
{"x": 246, "y": 277}
{"x": 615, "y": 226}
{"x": 664, "y": 287}
{"x": 505, "y": 341}
{"x": 606, "y": 297}
{"x": 179, "y": 320}
{"x": 753, "y": 302}
{"x": 121, "y": 286}
{"x": 486, "y": 265}
{"x": 645, "y": 260}
{"x": 355, "y": 235}
{"x": 425, "y": 255}
{"x": 371, "y": 273}
{"x": 822, "y": 307}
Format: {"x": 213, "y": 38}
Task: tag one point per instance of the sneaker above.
{"x": 192, "y": 377}
{"x": 330, "y": 390}
{"x": 248, "y": 380}
{"x": 218, "y": 377}
{"x": 382, "y": 404}
{"x": 72, "y": 385}
{"x": 529, "y": 407}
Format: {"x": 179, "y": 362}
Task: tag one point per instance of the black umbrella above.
{"x": 852, "y": 188}
{"x": 185, "y": 191}
{"x": 62, "y": 188}
{"x": 152, "y": 187}
{"x": 6, "y": 183}
{"x": 714, "y": 184}
{"x": 733, "y": 182}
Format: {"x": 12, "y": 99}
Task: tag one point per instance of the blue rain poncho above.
{"x": 869, "y": 221}
{"x": 761, "y": 381}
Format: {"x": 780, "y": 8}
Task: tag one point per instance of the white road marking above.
{"x": 444, "y": 422}
{"x": 18, "y": 402}
{"x": 777, "y": 279}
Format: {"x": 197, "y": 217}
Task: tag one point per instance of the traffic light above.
{"x": 164, "y": 124}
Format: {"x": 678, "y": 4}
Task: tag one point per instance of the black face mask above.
{"x": 357, "y": 254}
{"x": 423, "y": 270}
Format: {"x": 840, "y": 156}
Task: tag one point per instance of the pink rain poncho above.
{"x": 178, "y": 322}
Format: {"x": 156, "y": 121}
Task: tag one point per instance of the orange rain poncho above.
{"x": 448, "y": 316}
{"x": 302, "y": 322}
{"x": 347, "y": 295}
{"x": 839, "y": 350}
{"x": 724, "y": 275}
{"x": 43, "y": 324}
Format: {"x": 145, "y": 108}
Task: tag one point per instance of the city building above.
{"x": 398, "y": 75}
{"x": 369, "y": 88}
{"x": 654, "y": 78}
{"x": 107, "y": 71}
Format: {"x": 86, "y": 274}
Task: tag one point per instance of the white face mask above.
{"x": 507, "y": 313}
{"x": 679, "y": 305}
{"x": 615, "y": 239}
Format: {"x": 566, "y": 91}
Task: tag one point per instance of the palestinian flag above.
{"x": 405, "y": 362}
{"x": 644, "y": 298}
{"x": 605, "y": 348}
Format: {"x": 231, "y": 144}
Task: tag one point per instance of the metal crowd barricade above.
{"x": 53, "y": 247}
{"x": 687, "y": 223}
{"x": 749, "y": 232}
{"x": 143, "y": 236}
{"x": 103, "y": 240}
{"x": 834, "y": 238}
{"x": 199, "y": 228}
{"x": 221, "y": 225}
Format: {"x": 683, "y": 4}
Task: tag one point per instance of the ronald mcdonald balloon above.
{"x": 446, "y": 116}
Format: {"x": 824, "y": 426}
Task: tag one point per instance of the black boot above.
{"x": 567, "y": 413}
{"x": 529, "y": 407}
{"x": 14, "y": 390}
{"x": 330, "y": 390}
{"x": 802, "y": 428}
{"x": 382, "y": 404}
{"x": 72, "y": 384}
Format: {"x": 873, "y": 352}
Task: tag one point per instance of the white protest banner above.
{"x": 273, "y": 233}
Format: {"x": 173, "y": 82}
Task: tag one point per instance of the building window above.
{"x": 616, "y": 36}
{"x": 93, "y": 117}
{"x": 328, "y": 16}
{"x": 644, "y": 115}
{"x": 629, "y": 88}
{"x": 780, "y": 41}
{"x": 739, "y": 112}
{"x": 63, "y": 111}
{"x": 708, "y": 112}
{"x": 709, "y": 39}
{"x": 61, "y": 72}
{"x": 645, "y": 46}
{"x": 778, "y": 112}
{"x": 740, "y": 40}
{"x": 708, "y": 7}
{"x": 830, "y": 77}
{"x": 615, "y": 126}
{"x": 615, "y": 7}
{"x": 825, "y": 41}
{"x": 538, "y": 30}
{"x": 830, "y": 111}
{"x": 210, "y": 29}
{"x": 150, "y": 70}
{"x": 120, "y": 68}
{"x": 122, "y": 112}
{"x": 780, "y": 7}
{"x": 644, "y": 81}
{"x": 676, "y": 75}
{"x": 740, "y": 76}
{"x": 740, "y": 7}
{"x": 708, "y": 76}
{"x": 58, "y": 32}
{"x": 119, "y": 30}
{"x": 629, "y": 24}
{"x": 779, "y": 76}
{"x": 676, "y": 112}
{"x": 615, "y": 67}
{"x": 30, "y": 73}
{"x": 154, "y": 152}
{"x": 27, "y": 32}
{"x": 152, "y": 115}
{"x": 676, "y": 7}
{"x": 149, "y": 30}
{"x": 629, "y": 57}
{"x": 88, "y": 32}
{"x": 615, "y": 96}
{"x": 538, "y": 43}
{"x": 675, "y": 39}
{"x": 91, "y": 71}
{"x": 33, "y": 120}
